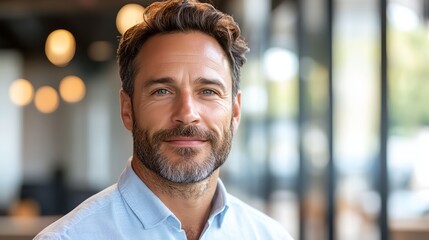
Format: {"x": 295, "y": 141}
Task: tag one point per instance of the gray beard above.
{"x": 187, "y": 169}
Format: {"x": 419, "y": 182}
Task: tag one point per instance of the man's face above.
{"x": 182, "y": 114}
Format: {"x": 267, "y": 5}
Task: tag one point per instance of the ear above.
{"x": 236, "y": 112}
{"x": 126, "y": 110}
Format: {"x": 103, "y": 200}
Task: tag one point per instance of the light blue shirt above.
{"x": 129, "y": 210}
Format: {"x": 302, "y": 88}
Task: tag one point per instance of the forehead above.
{"x": 180, "y": 49}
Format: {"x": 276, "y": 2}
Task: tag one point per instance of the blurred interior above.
{"x": 308, "y": 152}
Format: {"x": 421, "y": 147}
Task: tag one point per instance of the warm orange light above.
{"x": 60, "y": 47}
{"x": 128, "y": 16}
{"x": 46, "y": 99}
{"x": 21, "y": 92}
{"x": 72, "y": 89}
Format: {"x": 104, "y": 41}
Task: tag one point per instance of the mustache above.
{"x": 184, "y": 131}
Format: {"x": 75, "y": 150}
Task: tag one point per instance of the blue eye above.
{"x": 162, "y": 91}
{"x": 208, "y": 92}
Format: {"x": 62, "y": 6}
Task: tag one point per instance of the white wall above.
{"x": 86, "y": 138}
{"x": 10, "y": 129}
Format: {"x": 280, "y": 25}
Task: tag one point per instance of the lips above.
{"x": 185, "y": 141}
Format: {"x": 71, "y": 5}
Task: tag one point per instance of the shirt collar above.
{"x": 220, "y": 204}
{"x": 150, "y": 210}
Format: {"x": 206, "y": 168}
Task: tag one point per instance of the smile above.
{"x": 186, "y": 141}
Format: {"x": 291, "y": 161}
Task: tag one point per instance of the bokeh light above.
{"x": 21, "y": 92}
{"x": 100, "y": 51}
{"x": 128, "y": 16}
{"x": 72, "y": 89}
{"x": 402, "y": 17}
{"x": 280, "y": 64}
{"x": 60, "y": 47}
{"x": 46, "y": 99}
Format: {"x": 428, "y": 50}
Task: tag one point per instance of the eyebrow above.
{"x": 164, "y": 80}
{"x": 216, "y": 82}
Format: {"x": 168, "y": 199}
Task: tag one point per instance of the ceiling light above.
{"x": 21, "y": 92}
{"x": 72, "y": 89}
{"x": 46, "y": 99}
{"x": 60, "y": 47}
{"x": 128, "y": 16}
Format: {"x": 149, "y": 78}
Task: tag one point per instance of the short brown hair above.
{"x": 182, "y": 16}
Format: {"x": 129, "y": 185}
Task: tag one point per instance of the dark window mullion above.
{"x": 331, "y": 173}
{"x": 301, "y": 185}
{"x": 384, "y": 126}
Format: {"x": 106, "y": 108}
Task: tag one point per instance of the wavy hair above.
{"x": 182, "y": 16}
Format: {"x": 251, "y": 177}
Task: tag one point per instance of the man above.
{"x": 180, "y": 99}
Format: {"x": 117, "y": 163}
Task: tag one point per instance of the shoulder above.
{"x": 96, "y": 207}
{"x": 249, "y": 217}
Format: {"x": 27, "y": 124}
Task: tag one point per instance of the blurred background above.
{"x": 334, "y": 136}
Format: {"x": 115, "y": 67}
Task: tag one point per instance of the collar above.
{"x": 148, "y": 208}
{"x": 151, "y": 211}
{"x": 220, "y": 204}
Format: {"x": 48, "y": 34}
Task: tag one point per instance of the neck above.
{"x": 190, "y": 203}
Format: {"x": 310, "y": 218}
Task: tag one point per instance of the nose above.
{"x": 185, "y": 110}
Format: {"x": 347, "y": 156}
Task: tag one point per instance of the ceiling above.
{"x": 25, "y": 24}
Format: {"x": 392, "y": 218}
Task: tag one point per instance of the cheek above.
{"x": 218, "y": 118}
{"x": 150, "y": 117}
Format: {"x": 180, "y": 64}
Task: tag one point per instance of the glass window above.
{"x": 408, "y": 55}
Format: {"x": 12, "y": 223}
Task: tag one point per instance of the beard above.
{"x": 191, "y": 165}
